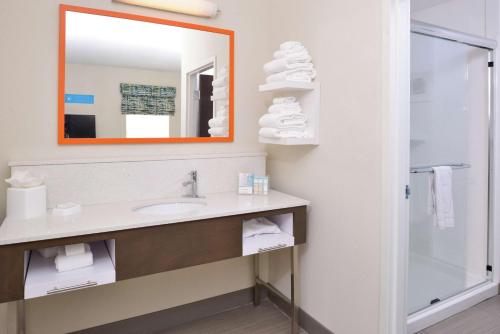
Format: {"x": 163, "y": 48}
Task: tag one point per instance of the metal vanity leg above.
{"x": 295, "y": 302}
{"x": 256, "y": 289}
{"x": 21, "y": 321}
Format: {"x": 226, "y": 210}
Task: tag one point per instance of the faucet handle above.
{"x": 193, "y": 174}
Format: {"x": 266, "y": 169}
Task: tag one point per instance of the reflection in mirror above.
{"x": 129, "y": 79}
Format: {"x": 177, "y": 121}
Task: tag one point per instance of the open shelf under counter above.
{"x": 267, "y": 243}
{"x": 287, "y": 86}
{"x": 43, "y": 279}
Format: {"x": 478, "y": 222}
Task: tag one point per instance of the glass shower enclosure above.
{"x": 450, "y": 120}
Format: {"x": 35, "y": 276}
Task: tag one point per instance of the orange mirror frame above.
{"x": 62, "y": 70}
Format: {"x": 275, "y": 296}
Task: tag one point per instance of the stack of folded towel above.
{"x": 219, "y": 124}
{"x": 292, "y": 62}
{"x": 73, "y": 257}
{"x": 69, "y": 257}
{"x": 284, "y": 119}
{"x": 259, "y": 226}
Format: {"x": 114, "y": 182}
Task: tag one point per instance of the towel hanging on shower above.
{"x": 441, "y": 197}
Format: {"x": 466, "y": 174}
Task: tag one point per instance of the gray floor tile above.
{"x": 480, "y": 319}
{"x": 264, "y": 319}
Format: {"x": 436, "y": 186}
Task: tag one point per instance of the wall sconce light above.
{"x": 203, "y": 8}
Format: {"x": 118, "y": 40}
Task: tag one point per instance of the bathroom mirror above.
{"x": 125, "y": 78}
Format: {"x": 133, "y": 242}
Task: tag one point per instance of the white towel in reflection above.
{"x": 441, "y": 195}
{"x": 65, "y": 262}
{"x": 258, "y": 226}
{"x": 222, "y": 131}
{"x": 291, "y": 132}
{"x": 282, "y": 121}
{"x": 220, "y": 81}
{"x": 220, "y": 93}
{"x": 285, "y": 64}
{"x": 222, "y": 111}
{"x": 293, "y": 75}
{"x": 221, "y": 121}
{"x": 284, "y": 108}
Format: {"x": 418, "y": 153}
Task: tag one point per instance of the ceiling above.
{"x": 109, "y": 41}
{"x": 417, "y": 5}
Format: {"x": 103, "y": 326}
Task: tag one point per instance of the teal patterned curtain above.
{"x": 147, "y": 100}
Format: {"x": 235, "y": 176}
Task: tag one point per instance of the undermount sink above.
{"x": 170, "y": 208}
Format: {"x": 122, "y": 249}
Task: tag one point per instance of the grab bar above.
{"x": 428, "y": 169}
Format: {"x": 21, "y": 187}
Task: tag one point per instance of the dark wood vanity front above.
{"x": 151, "y": 250}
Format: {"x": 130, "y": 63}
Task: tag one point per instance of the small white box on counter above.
{"x": 26, "y": 203}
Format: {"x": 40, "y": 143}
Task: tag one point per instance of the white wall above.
{"x": 462, "y": 15}
{"x": 28, "y": 131}
{"x": 340, "y": 276}
{"x": 104, "y": 83}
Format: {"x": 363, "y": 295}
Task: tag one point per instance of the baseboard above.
{"x": 161, "y": 321}
{"x": 164, "y": 320}
{"x": 308, "y": 323}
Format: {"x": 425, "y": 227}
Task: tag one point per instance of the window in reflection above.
{"x": 147, "y": 126}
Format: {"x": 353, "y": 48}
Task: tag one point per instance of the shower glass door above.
{"x": 449, "y": 127}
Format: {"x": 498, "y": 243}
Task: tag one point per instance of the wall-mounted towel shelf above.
{"x": 289, "y": 141}
{"x": 286, "y": 86}
{"x": 428, "y": 169}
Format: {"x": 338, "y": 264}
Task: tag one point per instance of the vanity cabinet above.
{"x": 154, "y": 249}
{"x": 157, "y": 249}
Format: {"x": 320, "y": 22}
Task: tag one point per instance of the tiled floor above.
{"x": 483, "y": 318}
{"x": 264, "y": 319}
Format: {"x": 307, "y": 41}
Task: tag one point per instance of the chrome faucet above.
{"x": 193, "y": 182}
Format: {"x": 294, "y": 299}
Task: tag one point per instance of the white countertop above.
{"x": 120, "y": 216}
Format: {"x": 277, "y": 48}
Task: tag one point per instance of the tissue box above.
{"x": 26, "y": 203}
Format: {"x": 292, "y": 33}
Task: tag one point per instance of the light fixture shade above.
{"x": 203, "y": 8}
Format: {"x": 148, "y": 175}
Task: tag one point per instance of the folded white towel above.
{"x": 220, "y": 81}
{"x": 222, "y": 131}
{"x": 442, "y": 197}
{"x": 293, "y": 75}
{"x": 258, "y": 226}
{"x": 282, "y": 121}
{"x": 49, "y": 252}
{"x": 284, "y": 99}
{"x": 222, "y": 72}
{"x": 285, "y": 64}
{"x": 66, "y": 263}
{"x": 218, "y": 122}
{"x": 221, "y": 103}
{"x": 294, "y": 57}
{"x": 74, "y": 249}
{"x": 221, "y": 94}
{"x": 288, "y": 45}
{"x": 219, "y": 90}
{"x": 292, "y": 132}
{"x": 284, "y": 108}
{"x": 222, "y": 111}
